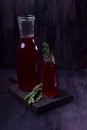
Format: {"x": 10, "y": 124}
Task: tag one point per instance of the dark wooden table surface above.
{"x": 73, "y": 116}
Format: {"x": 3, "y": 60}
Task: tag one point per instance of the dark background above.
{"x": 63, "y": 23}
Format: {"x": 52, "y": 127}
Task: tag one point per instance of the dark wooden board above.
{"x": 45, "y": 103}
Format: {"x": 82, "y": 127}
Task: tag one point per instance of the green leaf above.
{"x": 39, "y": 97}
{"x": 30, "y": 98}
{"x": 46, "y": 50}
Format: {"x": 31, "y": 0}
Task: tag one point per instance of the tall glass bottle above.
{"x": 27, "y": 55}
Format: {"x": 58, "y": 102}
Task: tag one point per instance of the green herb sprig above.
{"x": 46, "y": 50}
{"x": 47, "y": 55}
{"x": 35, "y": 95}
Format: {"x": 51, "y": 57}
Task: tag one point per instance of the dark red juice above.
{"x": 49, "y": 79}
{"x": 28, "y": 63}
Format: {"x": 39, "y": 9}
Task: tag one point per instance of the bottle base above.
{"x": 50, "y": 94}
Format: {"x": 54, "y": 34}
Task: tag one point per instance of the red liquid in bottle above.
{"x": 50, "y": 86}
{"x": 28, "y": 64}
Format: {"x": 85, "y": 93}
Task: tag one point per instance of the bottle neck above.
{"x": 50, "y": 59}
{"x": 26, "y": 26}
{"x": 27, "y": 39}
{"x": 27, "y": 36}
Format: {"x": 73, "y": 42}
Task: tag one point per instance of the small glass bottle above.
{"x": 49, "y": 77}
{"x": 27, "y": 55}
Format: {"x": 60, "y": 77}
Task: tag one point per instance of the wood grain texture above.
{"x": 62, "y": 23}
{"x": 14, "y": 115}
{"x": 46, "y": 103}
